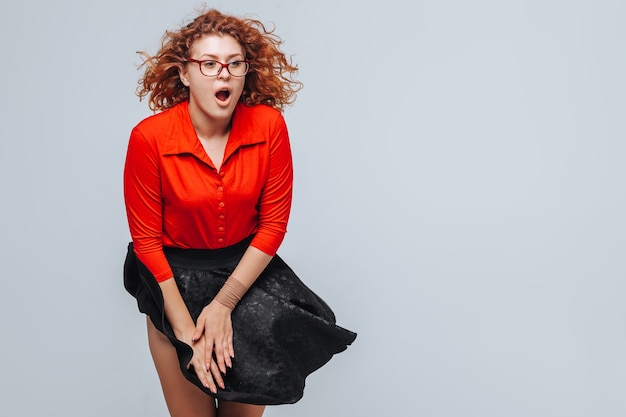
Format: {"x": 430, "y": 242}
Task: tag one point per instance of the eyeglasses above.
{"x": 214, "y": 68}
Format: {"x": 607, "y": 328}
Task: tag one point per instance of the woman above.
{"x": 208, "y": 186}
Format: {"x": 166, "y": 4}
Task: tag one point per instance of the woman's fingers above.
{"x": 204, "y": 373}
{"x": 221, "y": 357}
{"x": 217, "y": 376}
{"x": 207, "y": 379}
{"x": 211, "y": 375}
{"x": 212, "y": 346}
{"x": 208, "y": 352}
{"x": 215, "y": 327}
{"x": 231, "y": 350}
{"x": 197, "y": 334}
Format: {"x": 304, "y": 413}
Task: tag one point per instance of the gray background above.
{"x": 459, "y": 202}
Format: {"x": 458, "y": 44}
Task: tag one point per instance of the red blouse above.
{"x": 175, "y": 197}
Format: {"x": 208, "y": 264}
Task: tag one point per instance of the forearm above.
{"x": 176, "y": 311}
{"x": 253, "y": 262}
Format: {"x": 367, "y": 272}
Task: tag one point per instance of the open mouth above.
{"x": 222, "y": 95}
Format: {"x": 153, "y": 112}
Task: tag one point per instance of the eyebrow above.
{"x": 215, "y": 57}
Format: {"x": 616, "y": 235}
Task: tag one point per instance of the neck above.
{"x": 207, "y": 127}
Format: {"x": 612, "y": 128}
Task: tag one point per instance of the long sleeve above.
{"x": 276, "y": 196}
{"x": 144, "y": 207}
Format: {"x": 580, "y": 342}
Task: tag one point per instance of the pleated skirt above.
{"x": 282, "y": 330}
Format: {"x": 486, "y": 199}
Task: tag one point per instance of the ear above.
{"x": 183, "y": 75}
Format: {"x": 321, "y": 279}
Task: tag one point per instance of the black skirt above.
{"x": 282, "y": 331}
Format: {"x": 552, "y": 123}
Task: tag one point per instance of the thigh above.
{"x": 231, "y": 409}
{"x": 182, "y": 397}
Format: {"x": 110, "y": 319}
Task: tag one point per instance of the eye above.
{"x": 209, "y": 64}
{"x": 236, "y": 64}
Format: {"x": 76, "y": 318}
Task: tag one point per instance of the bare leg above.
{"x": 231, "y": 409}
{"x": 182, "y": 397}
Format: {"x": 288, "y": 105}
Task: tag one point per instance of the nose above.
{"x": 223, "y": 74}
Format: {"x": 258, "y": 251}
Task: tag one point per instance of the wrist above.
{"x": 232, "y": 291}
{"x": 185, "y": 335}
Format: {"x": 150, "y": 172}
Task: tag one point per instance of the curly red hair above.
{"x": 269, "y": 80}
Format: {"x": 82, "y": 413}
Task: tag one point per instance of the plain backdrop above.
{"x": 459, "y": 202}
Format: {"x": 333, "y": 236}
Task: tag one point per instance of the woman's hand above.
{"x": 186, "y": 331}
{"x": 209, "y": 375}
{"x": 214, "y": 325}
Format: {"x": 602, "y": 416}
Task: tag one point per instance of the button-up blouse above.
{"x": 176, "y": 197}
